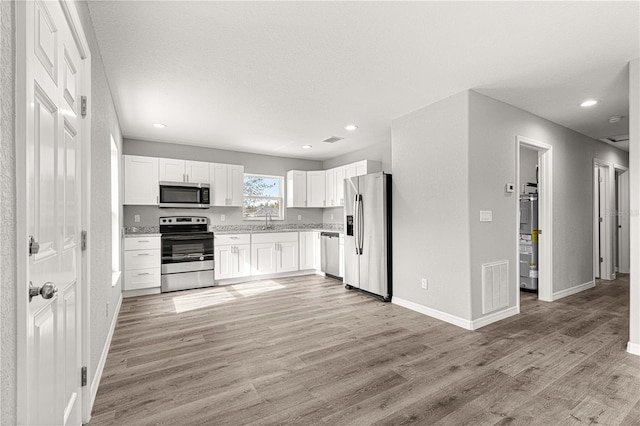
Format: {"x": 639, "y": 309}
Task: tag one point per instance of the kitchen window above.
{"x": 263, "y": 195}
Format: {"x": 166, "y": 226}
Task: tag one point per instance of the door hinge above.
{"x": 601, "y": 260}
{"x": 83, "y": 106}
{"x": 83, "y": 376}
{"x": 601, "y": 220}
{"x": 34, "y": 246}
{"x": 83, "y": 241}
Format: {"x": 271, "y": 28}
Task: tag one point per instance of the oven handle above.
{"x": 187, "y": 237}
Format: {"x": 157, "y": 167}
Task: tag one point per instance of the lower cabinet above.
{"x": 274, "y": 252}
{"x": 309, "y": 250}
{"x": 232, "y": 256}
{"x": 141, "y": 262}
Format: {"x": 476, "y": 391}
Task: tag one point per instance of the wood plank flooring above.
{"x": 306, "y": 351}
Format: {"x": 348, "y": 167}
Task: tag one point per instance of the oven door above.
{"x": 187, "y": 252}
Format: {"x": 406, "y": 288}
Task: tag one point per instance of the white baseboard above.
{"x": 95, "y": 382}
{"x": 434, "y": 313}
{"x": 573, "y": 290}
{"x": 633, "y": 348}
{"x": 494, "y": 317}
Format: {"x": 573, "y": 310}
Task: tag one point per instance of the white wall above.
{"x": 8, "y": 319}
{"x": 104, "y": 124}
{"x": 430, "y": 190}
{"x": 253, "y": 163}
{"x": 634, "y": 180}
{"x": 493, "y": 128}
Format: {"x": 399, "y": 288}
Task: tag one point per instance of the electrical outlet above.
{"x": 299, "y": 217}
{"x": 331, "y": 216}
{"x": 136, "y": 218}
{"x": 424, "y": 283}
{"x": 222, "y": 218}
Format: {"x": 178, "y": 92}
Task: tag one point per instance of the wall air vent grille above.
{"x": 333, "y": 139}
{"x": 495, "y": 288}
{"x": 615, "y": 139}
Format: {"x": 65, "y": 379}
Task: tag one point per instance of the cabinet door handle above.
{"x": 143, "y": 241}
{"x": 143, "y": 273}
{"x": 143, "y": 254}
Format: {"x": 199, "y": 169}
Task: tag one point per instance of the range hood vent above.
{"x": 333, "y": 139}
{"x": 615, "y": 139}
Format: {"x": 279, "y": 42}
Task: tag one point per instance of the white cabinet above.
{"x": 274, "y": 252}
{"x": 232, "y": 256}
{"x": 335, "y": 188}
{"x": 172, "y": 170}
{"x": 226, "y": 181}
{"x": 140, "y": 180}
{"x": 309, "y": 250}
{"x": 296, "y": 188}
{"x": 316, "y": 188}
{"x": 341, "y": 255}
{"x": 141, "y": 262}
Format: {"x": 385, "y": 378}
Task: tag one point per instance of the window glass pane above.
{"x": 263, "y": 196}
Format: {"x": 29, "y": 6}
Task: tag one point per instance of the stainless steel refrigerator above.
{"x": 367, "y": 241}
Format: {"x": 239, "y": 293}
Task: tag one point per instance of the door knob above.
{"x": 47, "y": 291}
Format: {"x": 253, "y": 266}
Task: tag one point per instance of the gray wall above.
{"x": 380, "y": 152}
{"x": 528, "y": 163}
{"x": 8, "y": 319}
{"x": 493, "y": 128}
{"x": 430, "y": 190}
{"x": 253, "y": 163}
{"x": 104, "y": 124}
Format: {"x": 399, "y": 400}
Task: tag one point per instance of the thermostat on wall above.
{"x": 509, "y": 187}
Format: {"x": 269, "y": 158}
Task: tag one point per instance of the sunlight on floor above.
{"x": 223, "y": 294}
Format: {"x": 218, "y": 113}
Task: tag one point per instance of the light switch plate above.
{"x": 486, "y": 216}
{"x": 222, "y": 218}
{"x": 299, "y": 217}
{"x": 510, "y": 187}
{"x": 136, "y": 218}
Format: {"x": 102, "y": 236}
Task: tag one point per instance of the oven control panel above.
{"x": 185, "y": 220}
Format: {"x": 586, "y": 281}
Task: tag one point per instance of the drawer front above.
{"x": 142, "y": 278}
{"x": 274, "y": 237}
{"x": 141, "y": 259}
{"x": 141, "y": 243}
{"x": 231, "y": 239}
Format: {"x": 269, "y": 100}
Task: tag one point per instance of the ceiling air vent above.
{"x": 615, "y": 139}
{"x": 333, "y": 139}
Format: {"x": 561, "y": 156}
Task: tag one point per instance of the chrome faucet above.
{"x": 267, "y": 219}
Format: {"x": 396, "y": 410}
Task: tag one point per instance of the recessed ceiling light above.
{"x": 615, "y": 119}
{"x": 589, "y": 102}
{"x": 351, "y": 127}
{"x": 306, "y": 146}
{"x": 159, "y": 125}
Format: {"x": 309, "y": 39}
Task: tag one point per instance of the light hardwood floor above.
{"x": 306, "y": 351}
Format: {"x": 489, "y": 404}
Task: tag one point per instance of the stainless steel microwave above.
{"x": 184, "y": 195}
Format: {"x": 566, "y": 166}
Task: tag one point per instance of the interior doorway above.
{"x": 622, "y": 245}
{"x": 534, "y": 242}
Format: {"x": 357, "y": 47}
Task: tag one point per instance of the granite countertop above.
{"x": 154, "y": 231}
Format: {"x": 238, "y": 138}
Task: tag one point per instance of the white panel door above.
{"x": 171, "y": 170}
{"x": 623, "y": 223}
{"x": 263, "y": 258}
{"x": 140, "y": 180}
{"x": 339, "y": 182}
{"x": 287, "y": 256}
{"x": 235, "y": 185}
{"x": 223, "y": 262}
{"x": 49, "y": 364}
{"x": 316, "y": 192}
{"x": 197, "y": 171}
{"x": 241, "y": 261}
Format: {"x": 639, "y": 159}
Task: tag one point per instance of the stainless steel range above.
{"x": 187, "y": 253}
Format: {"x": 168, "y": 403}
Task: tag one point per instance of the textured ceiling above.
{"x": 269, "y": 77}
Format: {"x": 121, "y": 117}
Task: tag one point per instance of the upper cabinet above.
{"x": 316, "y": 188}
{"x": 227, "y": 182}
{"x": 140, "y": 180}
{"x": 324, "y": 188}
{"x": 172, "y": 170}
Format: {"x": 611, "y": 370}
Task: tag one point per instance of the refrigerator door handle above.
{"x": 356, "y": 213}
{"x": 361, "y": 226}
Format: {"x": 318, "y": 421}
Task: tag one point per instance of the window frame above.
{"x": 280, "y": 198}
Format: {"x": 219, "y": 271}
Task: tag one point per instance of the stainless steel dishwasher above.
{"x": 330, "y": 253}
